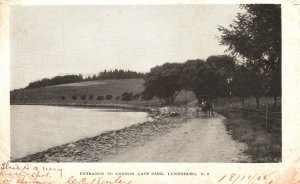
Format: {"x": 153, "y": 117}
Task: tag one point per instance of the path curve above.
{"x": 200, "y": 140}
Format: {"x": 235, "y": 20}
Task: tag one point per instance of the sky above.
{"x": 46, "y": 41}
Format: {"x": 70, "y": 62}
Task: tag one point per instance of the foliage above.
{"x": 117, "y": 74}
{"x": 63, "y": 97}
{"x": 218, "y": 73}
{"x": 55, "y": 81}
{"x": 91, "y": 97}
{"x": 12, "y": 97}
{"x": 100, "y": 98}
{"x": 74, "y": 97}
{"x": 189, "y": 72}
{"x": 205, "y": 78}
{"x": 109, "y": 97}
{"x": 242, "y": 81}
{"x": 211, "y": 78}
{"x": 126, "y": 96}
{"x": 136, "y": 96}
{"x": 112, "y": 74}
{"x": 245, "y": 83}
{"x": 163, "y": 82}
{"x": 256, "y": 37}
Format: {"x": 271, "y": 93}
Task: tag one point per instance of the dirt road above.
{"x": 200, "y": 140}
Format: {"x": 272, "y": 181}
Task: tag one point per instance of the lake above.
{"x": 36, "y": 128}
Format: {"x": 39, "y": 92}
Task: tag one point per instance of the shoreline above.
{"x": 107, "y": 144}
{"x": 108, "y": 105}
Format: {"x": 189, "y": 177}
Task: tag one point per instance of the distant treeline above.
{"x": 111, "y": 74}
{"x": 55, "y": 81}
{"x": 117, "y": 74}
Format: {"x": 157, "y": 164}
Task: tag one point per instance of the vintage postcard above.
{"x": 125, "y": 92}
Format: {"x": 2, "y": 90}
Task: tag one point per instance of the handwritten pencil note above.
{"x": 39, "y": 173}
{"x": 255, "y": 178}
{"x": 28, "y": 174}
{"x": 19, "y": 173}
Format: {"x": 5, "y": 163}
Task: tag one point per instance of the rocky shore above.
{"x": 108, "y": 144}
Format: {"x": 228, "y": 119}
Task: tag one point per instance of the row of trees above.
{"x": 126, "y": 96}
{"x": 111, "y": 74}
{"x": 90, "y": 97}
{"x": 217, "y": 76}
{"x": 55, "y": 81}
{"x": 211, "y": 77}
{"x": 117, "y": 74}
{"x": 254, "y": 38}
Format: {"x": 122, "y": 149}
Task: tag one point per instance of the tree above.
{"x": 211, "y": 78}
{"x": 126, "y": 96}
{"x": 222, "y": 63}
{"x": 189, "y": 71}
{"x": 256, "y": 37}
{"x": 136, "y": 96}
{"x": 119, "y": 74}
{"x": 242, "y": 82}
{"x": 100, "y": 98}
{"x": 163, "y": 82}
{"x": 221, "y": 68}
{"x": 109, "y": 97}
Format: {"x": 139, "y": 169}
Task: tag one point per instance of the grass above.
{"x": 264, "y": 143}
{"x": 73, "y": 93}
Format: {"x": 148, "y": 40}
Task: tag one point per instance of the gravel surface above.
{"x": 200, "y": 140}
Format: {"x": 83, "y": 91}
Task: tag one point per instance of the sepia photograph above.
{"x": 192, "y": 83}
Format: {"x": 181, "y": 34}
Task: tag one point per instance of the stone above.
{"x": 71, "y": 145}
{"x": 173, "y": 114}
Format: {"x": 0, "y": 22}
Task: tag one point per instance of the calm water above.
{"x": 37, "y": 128}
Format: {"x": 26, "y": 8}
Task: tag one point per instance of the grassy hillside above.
{"x": 65, "y": 93}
